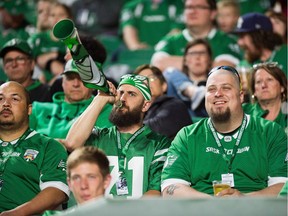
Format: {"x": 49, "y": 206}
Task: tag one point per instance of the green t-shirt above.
{"x": 222, "y": 45}
{"x": 195, "y": 159}
{"x": 256, "y": 110}
{"x": 152, "y": 22}
{"x": 36, "y": 162}
{"x": 55, "y": 119}
{"x": 144, "y": 158}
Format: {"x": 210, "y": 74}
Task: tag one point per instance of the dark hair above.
{"x": 95, "y": 49}
{"x": 88, "y": 154}
{"x": 274, "y": 71}
{"x": 212, "y": 4}
{"x": 65, "y": 7}
{"x": 27, "y": 95}
{"x": 265, "y": 39}
{"x": 155, "y": 70}
{"x": 192, "y": 44}
{"x": 279, "y": 16}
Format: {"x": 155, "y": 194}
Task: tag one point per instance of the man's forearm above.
{"x": 82, "y": 127}
{"x": 48, "y": 199}
{"x": 152, "y": 193}
{"x": 180, "y": 190}
{"x": 272, "y": 190}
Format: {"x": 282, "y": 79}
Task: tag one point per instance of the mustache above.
{"x": 120, "y": 104}
{"x": 6, "y": 110}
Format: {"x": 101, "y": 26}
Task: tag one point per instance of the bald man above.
{"x": 32, "y": 176}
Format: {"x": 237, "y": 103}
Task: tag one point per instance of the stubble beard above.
{"x": 251, "y": 57}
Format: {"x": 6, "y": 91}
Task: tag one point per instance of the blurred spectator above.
{"x": 269, "y": 89}
{"x": 43, "y": 13}
{"x": 145, "y": 22}
{"x": 97, "y": 17}
{"x": 256, "y": 6}
{"x": 196, "y": 64}
{"x": 199, "y": 18}
{"x": 19, "y": 65}
{"x": 228, "y": 12}
{"x": 259, "y": 42}
{"x": 55, "y": 119}
{"x": 279, "y": 22}
{"x": 49, "y": 51}
{"x": 88, "y": 175}
{"x": 85, "y": 163}
{"x": 14, "y": 20}
{"x": 14, "y": 23}
{"x": 167, "y": 114}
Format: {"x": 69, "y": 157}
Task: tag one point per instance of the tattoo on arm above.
{"x": 171, "y": 188}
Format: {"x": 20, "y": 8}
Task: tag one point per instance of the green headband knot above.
{"x": 138, "y": 82}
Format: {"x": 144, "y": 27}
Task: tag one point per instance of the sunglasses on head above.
{"x": 265, "y": 64}
{"x": 226, "y": 68}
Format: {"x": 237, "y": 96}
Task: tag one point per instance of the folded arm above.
{"x": 48, "y": 199}
{"x": 272, "y": 190}
{"x": 182, "y": 190}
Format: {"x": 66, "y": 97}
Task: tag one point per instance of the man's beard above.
{"x": 126, "y": 117}
{"x": 221, "y": 117}
{"x": 252, "y": 56}
{"x": 6, "y": 124}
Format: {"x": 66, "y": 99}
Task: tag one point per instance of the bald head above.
{"x": 17, "y": 88}
{"x": 15, "y": 109}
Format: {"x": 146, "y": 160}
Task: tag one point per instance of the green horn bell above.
{"x": 64, "y": 29}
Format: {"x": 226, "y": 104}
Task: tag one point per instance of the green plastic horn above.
{"x": 90, "y": 72}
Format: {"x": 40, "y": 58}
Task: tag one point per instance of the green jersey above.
{"x": 28, "y": 166}
{"x": 256, "y": 110}
{"x": 55, "y": 119}
{"x": 139, "y": 158}
{"x": 222, "y": 45}
{"x": 146, "y": 17}
{"x": 195, "y": 158}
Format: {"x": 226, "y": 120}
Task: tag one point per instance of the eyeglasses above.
{"x": 197, "y": 7}
{"x": 152, "y": 78}
{"x": 196, "y": 53}
{"x": 265, "y": 64}
{"x": 19, "y": 60}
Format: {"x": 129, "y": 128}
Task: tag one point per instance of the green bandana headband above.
{"x": 138, "y": 82}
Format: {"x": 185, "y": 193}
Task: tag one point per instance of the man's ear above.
{"x": 68, "y": 182}
{"x": 107, "y": 181}
{"x": 164, "y": 87}
{"x": 146, "y": 106}
{"x": 242, "y": 96}
{"x": 29, "y": 109}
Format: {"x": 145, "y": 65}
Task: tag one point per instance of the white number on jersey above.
{"x": 136, "y": 164}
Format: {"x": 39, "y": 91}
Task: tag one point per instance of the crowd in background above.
{"x": 176, "y": 46}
